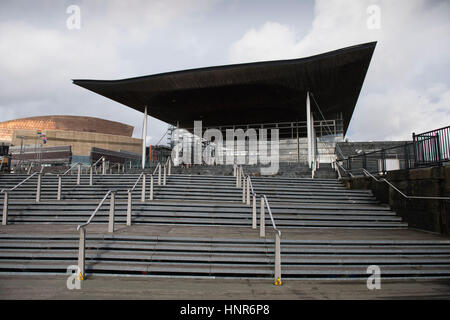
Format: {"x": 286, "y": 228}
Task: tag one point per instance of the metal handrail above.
{"x": 68, "y": 170}
{"x": 271, "y": 217}
{"x": 95, "y": 211}
{"x": 19, "y": 184}
{"x": 251, "y": 186}
{"x": 139, "y": 178}
{"x": 114, "y": 164}
{"x": 345, "y": 170}
{"x": 419, "y": 134}
{"x": 96, "y": 162}
{"x": 264, "y": 203}
{"x": 367, "y": 173}
{"x": 372, "y": 152}
{"x": 265, "y": 199}
{"x": 156, "y": 168}
{"x": 82, "y": 229}
{"x": 242, "y": 171}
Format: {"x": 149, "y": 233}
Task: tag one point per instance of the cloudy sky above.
{"x": 407, "y": 88}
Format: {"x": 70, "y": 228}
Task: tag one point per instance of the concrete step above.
{"x": 295, "y": 203}
{"x": 224, "y": 257}
{"x": 212, "y": 221}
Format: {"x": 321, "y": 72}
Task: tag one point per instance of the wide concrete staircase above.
{"x": 201, "y": 200}
{"x": 317, "y": 218}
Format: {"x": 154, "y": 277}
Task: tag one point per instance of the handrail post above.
{"x": 243, "y": 190}
{"x": 277, "y": 259}
{"x": 111, "y": 212}
{"x": 262, "y": 221}
{"x": 90, "y": 175}
{"x": 248, "y": 190}
{"x": 237, "y": 179}
{"x": 159, "y": 174}
{"x": 164, "y": 176}
{"x": 79, "y": 174}
{"x": 143, "y": 188}
{"x": 254, "y": 226}
{"x": 5, "y": 209}
{"x": 58, "y": 195}
{"x": 234, "y": 170}
{"x": 151, "y": 187}
{"x": 103, "y": 166}
{"x": 129, "y": 209}
{"x": 170, "y": 167}
{"x": 38, "y": 188}
{"x": 240, "y": 176}
{"x": 81, "y": 253}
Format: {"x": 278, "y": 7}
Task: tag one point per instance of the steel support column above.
{"x": 308, "y": 128}
{"x": 144, "y": 136}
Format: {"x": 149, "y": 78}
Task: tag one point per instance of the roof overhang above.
{"x": 260, "y": 92}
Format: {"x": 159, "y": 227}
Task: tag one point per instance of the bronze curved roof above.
{"x": 67, "y": 123}
{"x": 260, "y": 92}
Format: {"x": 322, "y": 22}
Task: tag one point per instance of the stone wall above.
{"x": 424, "y": 214}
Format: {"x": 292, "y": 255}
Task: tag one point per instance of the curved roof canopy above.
{"x": 260, "y": 92}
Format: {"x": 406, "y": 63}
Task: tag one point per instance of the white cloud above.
{"x": 400, "y": 94}
{"x": 271, "y": 42}
{"x": 406, "y": 111}
{"x": 135, "y": 20}
{"x": 39, "y": 59}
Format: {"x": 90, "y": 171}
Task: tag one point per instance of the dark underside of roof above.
{"x": 261, "y": 92}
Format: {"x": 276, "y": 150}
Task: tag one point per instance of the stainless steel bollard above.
{"x": 151, "y": 187}
{"x": 243, "y": 190}
{"x": 5, "y": 209}
{"x": 81, "y": 252}
{"x": 164, "y": 176}
{"x": 79, "y": 174}
{"x": 239, "y": 177}
{"x": 111, "y": 212}
{"x": 143, "y": 188}
{"x": 38, "y": 189}
{"x": 254, "y": 223}
{"x": 58, "y": 195}
{"x": 248, "y": 190}
{"x": 262, "y": 221}
{"x": 277, "y": 258}
{"x": 159, "y": 174}
{"x": 129, "y": 209}
{"x": 103, "y": 166}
